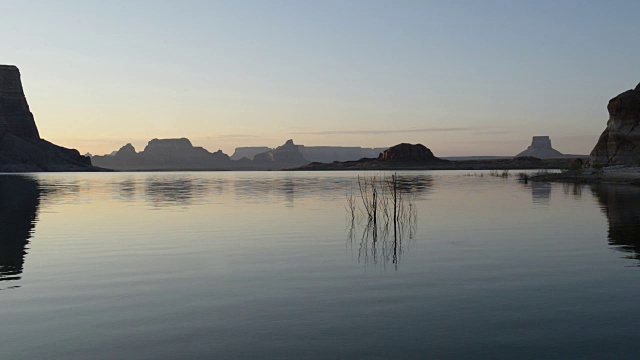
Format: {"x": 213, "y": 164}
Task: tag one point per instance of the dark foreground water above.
{"x": 269, "y": 266}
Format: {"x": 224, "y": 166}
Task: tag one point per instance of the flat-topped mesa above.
{"x": 541, "y": 148}
{"x": 541, "y": 142}
{"x": 620, "y": 141}
{"x": 168, "y": 144}
{"x": 15, "y": 116}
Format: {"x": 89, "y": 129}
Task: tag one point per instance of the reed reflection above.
{"x": 381, "y": 215}
{"x": 621, "y": 205}
{"x": 19, "y": 204}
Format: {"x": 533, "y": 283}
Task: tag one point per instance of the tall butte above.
{"x": 21, "y": 148}
{"x": 15, "y": 116}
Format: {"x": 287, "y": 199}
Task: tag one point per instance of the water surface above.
{"x": 268, "y": 265}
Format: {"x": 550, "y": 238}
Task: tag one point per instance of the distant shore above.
{"x": 624, "y": 175}
{"x": 521, "y": 163}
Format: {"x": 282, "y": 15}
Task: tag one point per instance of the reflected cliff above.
{"x": 573, "y": 189}
{"x": 621, "y": 205}
{"x": 19, "y": 203}
{"x": 162, "y": 191}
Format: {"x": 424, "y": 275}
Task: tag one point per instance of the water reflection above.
{"x": 295, "y": 187}
{"x": 540, "y": 193}
{"x": 573, "y": 189}
{"x": 126, "y": 189}
{"x": 164, "y": 191}
{"x": 621, "y": 205}
{"x": 19, "y": 203}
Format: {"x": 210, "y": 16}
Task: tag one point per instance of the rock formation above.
{"x": 126, "y": 151}
{"x": 15, "y": 116}
{"x": 21, "y": 149}
{"x": 328, "y": 154}
{"x": 164, "y": 154}
{"x": 325, "y": 154}
{"x": 408, "y": 153}
{"x": 288, "y": 154}
{"x": 541, "y": 148}
{"x": 620, "y": 141}
{"x": 249, "y": 152}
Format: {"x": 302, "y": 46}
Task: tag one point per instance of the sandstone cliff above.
{"x": 15, "y": 116}
{"x": 21, "y": 149}
{"x": 620, "y": 141}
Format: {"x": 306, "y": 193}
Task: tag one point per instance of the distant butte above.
{"x": 541, "y": 148}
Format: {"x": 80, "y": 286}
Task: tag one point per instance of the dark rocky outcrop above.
{"x": 620, "y": 141}
{"x": 541, "y": 148}
{"x": 408, "y": 153}
{"x": 21, "y": 148}
{"x": 15, "y": 116}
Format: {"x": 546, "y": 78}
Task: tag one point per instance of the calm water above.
{"x": 268, "y": 265}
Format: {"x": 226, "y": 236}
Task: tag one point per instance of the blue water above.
{"x": 269, "y": 265}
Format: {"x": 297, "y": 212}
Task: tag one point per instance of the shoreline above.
{"x": 614, "y": 175}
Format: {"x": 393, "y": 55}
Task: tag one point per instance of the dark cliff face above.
{"x": 620, "y": 141}
{"x": 21, "y": 149}
{"x": 15, "y": 116}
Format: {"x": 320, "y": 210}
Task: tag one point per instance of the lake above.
{"x": 270, "y": 265}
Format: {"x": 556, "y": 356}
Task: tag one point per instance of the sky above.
{"x": 460, "y": 77}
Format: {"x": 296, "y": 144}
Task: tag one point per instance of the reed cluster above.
{"x": 384, "y": 213}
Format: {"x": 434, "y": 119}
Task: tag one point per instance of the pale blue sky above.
{"x": 461, "y": 77}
